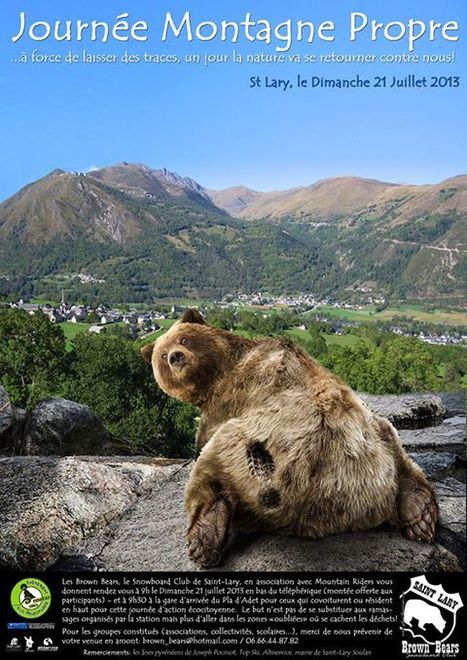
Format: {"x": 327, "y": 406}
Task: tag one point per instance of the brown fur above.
{"x": 285, "y": 446}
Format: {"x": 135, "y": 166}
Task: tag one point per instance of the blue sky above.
{"x": 208, "y": 124}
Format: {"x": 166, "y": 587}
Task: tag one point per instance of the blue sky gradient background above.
{"x": 206, "y": 123}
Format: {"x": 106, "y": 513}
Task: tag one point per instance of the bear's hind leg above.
{"x": 418, "y": 509}
{"x": 210, "y": 506}
{"x": 208, "y": 534}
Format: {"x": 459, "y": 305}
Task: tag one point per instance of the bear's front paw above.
{"x": 208, "y": 535}
{"x": 418, "y": 512}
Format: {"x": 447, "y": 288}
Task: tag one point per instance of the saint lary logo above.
{"x": 429, "y": 619}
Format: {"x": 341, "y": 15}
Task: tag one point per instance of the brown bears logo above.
{"x": 429, "y": 612}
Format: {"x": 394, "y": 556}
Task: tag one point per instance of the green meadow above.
{"x": 296, "y": 335}
{"x": 369, "y": 314}
{"x": 70, "y": 330}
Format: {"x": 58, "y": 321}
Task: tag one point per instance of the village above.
{"x": 306, "y": 302}
{"x": 98, "y": 318}
{"x": 143, "y": 322}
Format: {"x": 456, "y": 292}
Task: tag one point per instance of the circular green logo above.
{"x": 30, "y": 598}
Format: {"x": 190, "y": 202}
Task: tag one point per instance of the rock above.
{"x": 378, "y": 550}
{"x": 455, "y": 421}
{"x": 434, "y": 464}
{"x": 451, "y": 487}
{"x": 7, "y": 423}
{"x": 452, "y": 525}
{"x": 452, "y": 513}
{"x": 85, "y": 513}
{"x": 448, "y": 435}
{"x": 64, "y": 428}
{"x": 454, "y": 402}
{"x": 407, "y": 411}
{"x": 75, "y": 563}
{"x": 116, "y": 513}
{"x": 151, "y": 538}
{"x": 17, "y": 431}
{"x": 48, "y": 505}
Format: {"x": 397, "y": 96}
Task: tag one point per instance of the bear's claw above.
{"x": 418, "y": 512}
{"x": 207, "y": 537}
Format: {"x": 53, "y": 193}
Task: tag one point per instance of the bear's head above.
{"x": 438, "y": 621}
{"x": 188, "y": 358}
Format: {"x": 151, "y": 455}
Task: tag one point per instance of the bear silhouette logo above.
{"x": 428, "y": 611}
{"x": 420, "y": 610}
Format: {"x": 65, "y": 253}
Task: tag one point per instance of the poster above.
{"x": 232, "y": 329}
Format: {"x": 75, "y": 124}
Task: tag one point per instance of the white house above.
{"x": 97, "y": 329}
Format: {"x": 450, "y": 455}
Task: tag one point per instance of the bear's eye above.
{"x": 184, "y": 340}
{"x": 164, "y": 356}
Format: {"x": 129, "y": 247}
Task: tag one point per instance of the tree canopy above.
{"x": 106, "y": 372}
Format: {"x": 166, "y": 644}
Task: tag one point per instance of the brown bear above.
{"x": 285, "y": 447}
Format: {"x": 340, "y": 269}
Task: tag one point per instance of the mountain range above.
{"x": 330, "y": 199}
{"x": 152, "y": 233}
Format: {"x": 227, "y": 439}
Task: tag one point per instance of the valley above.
{"x": 132, "y": 233}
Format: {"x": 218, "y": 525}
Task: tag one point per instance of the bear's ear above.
{"x": 192, "y": 316}
{"x": 146, "y": 352}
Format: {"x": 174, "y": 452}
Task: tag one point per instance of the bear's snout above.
{"x": 177, "y": 359}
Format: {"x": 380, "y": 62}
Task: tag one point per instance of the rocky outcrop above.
{"x": 454, "y": 402}
{"x": 407, "y": 411}
{"x": 452, "y": 523}
{"x": 117, "y": 513}
{"x": 61, "y": 427}
{"x": 50, "y": 505}
{"x": 440, "y": 451}
{"x": 64, "y": 428}
{"x": 55, "y": 427}
{"x": 445, "y": 437}
{"x": 144, "y": 541}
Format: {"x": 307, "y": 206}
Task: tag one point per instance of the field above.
{"x": 183, "y": 302}
{"x": 165, "y": 325}
{"x": 331, "y": 340}
{"x": 70, "y": 330}
{"x": 342, "y": 340}
{"x": 365, "y": 315}
{"x": 369, "y": 314}
{"x": 295, "y": 335}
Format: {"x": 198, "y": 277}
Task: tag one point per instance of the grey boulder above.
{"x": 454, "y": 402}
{"x": 445, "y": 436}
{"x": 152, "y": 538}
{"x": 62, "y": 427}
{"x": 127, "y": 514}
{"x": 407, "y": 411}
{"x": 435, "y": 464}
{"x": 49, "y": 505}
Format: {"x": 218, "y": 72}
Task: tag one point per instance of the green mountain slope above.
{"x": 151, "y": 233}
{"x": 378, "y": 237}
